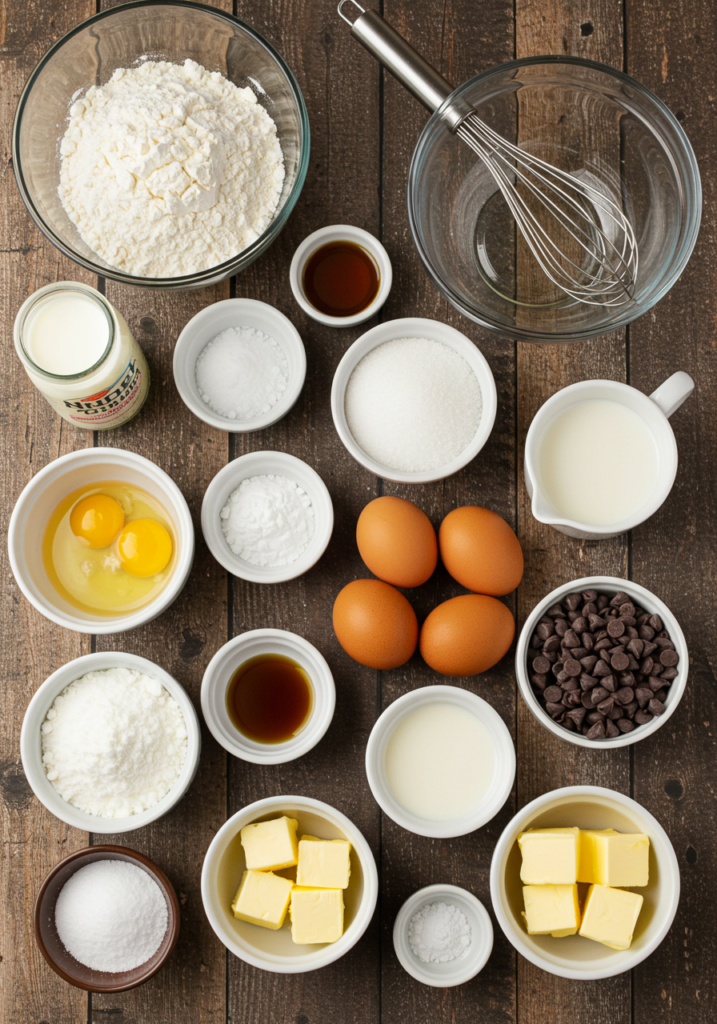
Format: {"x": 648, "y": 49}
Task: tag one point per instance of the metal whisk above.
{"x": 603, "y": 241}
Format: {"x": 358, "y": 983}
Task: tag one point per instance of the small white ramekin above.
{"x": 274, "y": 950}
{"x": 454, "y": 972}
{"x": 503, "y": 777}
{"x": 645, "y": 599}
{"x": 341, "y": 233}
{"x": 31, "y": 745}
{"x": 574, "y": 957}
{"x": 414, "y": 327}
{"x": 264, "y": 464}
{"x": 210, "y": 322}
{"x": 223, "y": 666}
{"x": 47, "y": 489}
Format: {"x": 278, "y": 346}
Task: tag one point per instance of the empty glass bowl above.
{"x": 118, "y": 38}
{"x": 591, "y": 121}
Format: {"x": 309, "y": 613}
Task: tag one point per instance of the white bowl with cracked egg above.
{"x": 238, "y": 313}
{"x": 31, "y": 742}
{"x": 266, "y": 464}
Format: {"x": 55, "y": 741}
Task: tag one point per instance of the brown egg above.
{"x": 481, "y": 551}
{"x": 467, "y": 635}
{"x": 397, "y": 541}
{"x": 375, "y": 624}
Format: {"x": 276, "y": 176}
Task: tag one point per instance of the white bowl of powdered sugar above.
{"x": 267, "y": 517}
{"x": 239, "y": 365}
{"x": 413, "y": 400}
{"x": 110, "y": 742}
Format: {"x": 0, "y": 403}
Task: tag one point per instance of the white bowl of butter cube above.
{"x": 289, "y": 884}
{"x": 585, "y": 883}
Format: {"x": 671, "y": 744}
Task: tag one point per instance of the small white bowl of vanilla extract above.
{"x": 268, "y": 696}
{"x": 341, "y": 275}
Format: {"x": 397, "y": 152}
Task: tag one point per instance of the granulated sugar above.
{"x": 111, "y": 916}
{"x": 413, "y": 404}
{"x": 242, "y": 373}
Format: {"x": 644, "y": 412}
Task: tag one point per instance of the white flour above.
{"x": 268, "y": 520}
{"x": 114, "y": 742}
{"x": 169, "y": 169}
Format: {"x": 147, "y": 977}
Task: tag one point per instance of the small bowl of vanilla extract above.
{"x": 268, "y": 696}
{"x": 341, "y": 275}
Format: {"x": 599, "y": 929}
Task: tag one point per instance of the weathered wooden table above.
{"x": 364, "y": 128}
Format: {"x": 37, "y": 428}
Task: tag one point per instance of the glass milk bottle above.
{"x": 79, "y": 352}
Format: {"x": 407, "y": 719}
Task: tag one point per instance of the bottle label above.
{"x": 113, "y": 405}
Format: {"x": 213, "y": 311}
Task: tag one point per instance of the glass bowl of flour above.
{"x": 161, "y": 144}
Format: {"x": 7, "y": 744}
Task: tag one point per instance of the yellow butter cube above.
{"x": 550, "y": 856}
{"x": 271, "y": 845}
{"x": 262, "y": 898}
{"x": 317, "y": 915}
{"x": 324, "y": 863}
{"x": 551, "y": 909}
{"x": 610, "y": 916}
{"x": 614, "y": 858}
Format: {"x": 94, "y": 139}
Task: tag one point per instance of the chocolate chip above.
{"x": 616, "y": 712}
{"x": 588, "y": 609}
{"x": 644, "y": 696}
{"x": 571, "y": 639}
{"x": 587, "y": 641}
{"x": 590, "y": 595}
{"x": 587, "y": 700}
{"x": 656, "y": 707}
{"x": 609, "y": 683}
{"x": 602, "y": 601}
{"x": 551, "y": 644}
{"x": 554, "y": 710}
{"x": 615, "y": 628}
{"x": 595, "y": 622}
{"x": 598, "y": 694}
{"x": 570, "y": 684}
{"x": 643, "y": 717}
{"x": 572, "y": 667}
{"x": 606, "y": 706}
{"x": 556, "y": 611}
{"x": 580, "y": 624}
{"x": 577, "y": 715}
{"x": 596, "y": 732}
{"x": 541, "y": 664}
{"x": 552, "y": 693}
{"x": 604, "y": 644}
{"x": 545, "y": 629}
{"x": 572, "y": 601}
{"x": 627, "y": 609}
{"x": 618, "y": 661}
{"x": 601, "y": 669}
{"x": 646, "y": 632}
{"x": 593, "y": 717}
{"x": 587, "y": 682}
{"x": 625, "y": 725}
{"x": 669, "y": 674}
{"x": 618, "y": 599}
{"x": 669, "y": 658}
{"x": 624, "y": 695}
{"x": 656, "y": 622}
{"x": 561, "y": 627}
{"x": 611, "y": 730}
{"x": 589, "y": 662}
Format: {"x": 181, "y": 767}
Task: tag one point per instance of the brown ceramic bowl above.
{"x": 49, "y": 941}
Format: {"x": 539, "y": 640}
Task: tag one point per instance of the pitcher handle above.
{"x": 673, "y": 392}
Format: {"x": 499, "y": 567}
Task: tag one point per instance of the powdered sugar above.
{"x": 268, "y": 520}
{"x": 114, "y": 742}
{"x": 242, "y": 373}
{"x": 111, "y": 916}
{"x": 438, "y": 933}
{"x": 169, "y": 169}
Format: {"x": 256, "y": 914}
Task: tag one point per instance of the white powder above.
{"x": 268, "y": 520}
{"x": 114, "y": 742}
{"x": 169, "y": 169}
{"x": 111, "y": 916}
{"x": 439, "y": 932}
{"x": 242, "y": 373}
{"x": 413, "y": 404}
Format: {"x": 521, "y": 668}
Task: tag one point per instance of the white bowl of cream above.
{"x": 440, "y": 761}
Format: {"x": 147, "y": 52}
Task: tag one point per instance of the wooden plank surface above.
{"x": 674, "y": 553}
{"x": 364, "y": 129}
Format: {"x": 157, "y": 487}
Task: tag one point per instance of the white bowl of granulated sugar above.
{"x": 110, "y": 742}
{"x": 267, "y": 517}
{"x": 239, "y": 365}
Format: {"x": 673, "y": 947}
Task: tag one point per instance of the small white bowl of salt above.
{"x": 443, "y": 936}
{"x": 239, "y": 365}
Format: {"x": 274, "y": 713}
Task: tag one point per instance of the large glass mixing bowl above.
{"x": 591, "y": 121}
{"x": 118, "y": 38}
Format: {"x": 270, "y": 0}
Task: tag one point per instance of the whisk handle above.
{"x": 404, "y": 63}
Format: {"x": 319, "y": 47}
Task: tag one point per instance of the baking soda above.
{"x": 268, "y": 520}
{"x": 242, "y": 373}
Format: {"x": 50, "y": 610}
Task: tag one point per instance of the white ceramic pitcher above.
{"x": 654, "y": 412}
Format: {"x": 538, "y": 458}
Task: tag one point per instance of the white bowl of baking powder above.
{"x": 211, "y": 322}
{"x": 31, "y": 742}
{"x": 286, "y": 468}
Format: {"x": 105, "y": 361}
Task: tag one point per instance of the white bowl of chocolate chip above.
{"x": 603, "y": 661}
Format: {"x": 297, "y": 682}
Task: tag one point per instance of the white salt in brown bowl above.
{"x": 210, "y": 322}
{"x": 266, "y": 464}
{"x": 414, "y": 327}
{"x": 275, "y": 951}
{"x": 31, "y": 746}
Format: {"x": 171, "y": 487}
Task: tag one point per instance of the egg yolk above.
{"x": 144, "y": 547}
{"x": 96, "y": 520}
